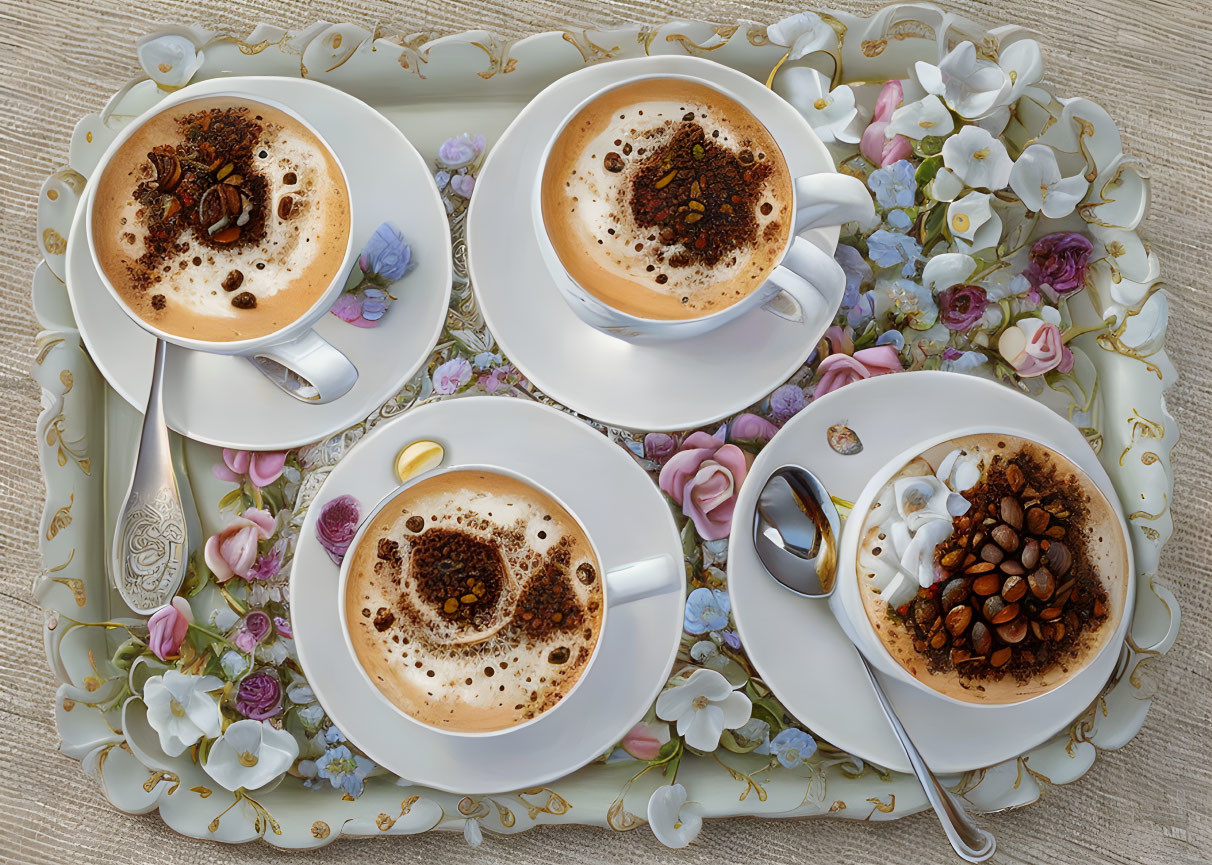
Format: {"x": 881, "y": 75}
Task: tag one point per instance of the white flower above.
{"x": 946, "y": 185}
{"x": 916, "y": 120}
{"x": 704, "y": 706}
{"x": 250, "y": 754}
{"x": 1036, "y": 179}
{"x": 923, "y": 499}
{"x": 1023, "y": 65}
{"x": 947, "y": 269}
{"x": 970, "y": 85}
{"x": 674, "y": 821}
{"x": 831, "y": 113}
{"x": 804, "y": 33}
{"x": 978, "y": 159}
{"x": 181, "y": 709}
{"x": 973, "y": 224}
{"x": 959, "y": 470}
{"x": 170, "y": 60}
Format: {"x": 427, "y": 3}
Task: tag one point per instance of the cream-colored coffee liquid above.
{"x": 286, "y": 270}
{"x": 1106, "y": 551}
{"x": 490, "y": 648}
{"x": 588, "y": 209}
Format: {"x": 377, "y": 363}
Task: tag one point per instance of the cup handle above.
{"x": 308, "y": 368}
{"x": 643, "y": 579}
{"x": 810, "y": 282}
{"x": 830, "y": 199}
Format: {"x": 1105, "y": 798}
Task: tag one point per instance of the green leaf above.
{"x": 668, "y": 750}
{"x": 926, "y": 171}
{"x": 231, "y": 501}
{"x": 933, "y": 224}
{"x": 929, "y": 146}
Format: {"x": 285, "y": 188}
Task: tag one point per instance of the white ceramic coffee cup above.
{"x": 796, "y": 287}
{"x": 294, "y": 357}
{"x": 623, "y": 584}
{"x": 847, "y": 603}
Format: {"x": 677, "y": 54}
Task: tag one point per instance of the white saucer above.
{"x": 796, "y": 644}
{"x": 672, "y": 386}
{"x": 628, "y": 520}
{"x": 224, "y": 400}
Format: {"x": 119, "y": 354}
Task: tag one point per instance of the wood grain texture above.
{"x": 1145, "y": 61}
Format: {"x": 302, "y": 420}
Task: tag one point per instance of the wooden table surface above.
{"x": 1148, "y": 62}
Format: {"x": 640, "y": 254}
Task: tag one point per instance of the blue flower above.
{"x": 899, "y": 220}
{"x": 791, "y": 747}
{"x": 887, "y": 249}
{"x": 894, "y": 338}
{"x": 343, "y": 770}
{"x": 731, "y": 640}
{"x": 857, "y": 270}
{"x": 385, "y": 255}
{"x": 707, "y": 610}
{"x": 894, "y": 185}
{"x": 332, "y": 736}
{"x": 441, "y": 178}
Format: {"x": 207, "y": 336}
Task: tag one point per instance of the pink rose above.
{"x": 167, "y": 627}
{"x": 838, "y": 370}
{"x": 337, "y": 526}
{"x": 255, "y": 628}
{"x": 1033, "y": 347}
{"x": 644, "y": 741}
{"x": 875, "y": 143}
{"x": 659, "y": 446}
{"x": 262, "y": 467}
{"x": 704, "y": 477}
{"x": 231, "y": 552}
{"x": 751, "y": 426}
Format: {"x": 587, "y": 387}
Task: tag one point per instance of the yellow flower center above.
{"x": 821, "y": 104}
{"x": 700, "y": 702}
{"x": 176, "y": 708}
{"x": 981, "y": 154}
{"x": 247, "y": 758}
{"x": 960, "y": 222}
{"x": 1013, "y": 75}
{"x": 926, "y": 124}
{"x": 1043, "y": 191}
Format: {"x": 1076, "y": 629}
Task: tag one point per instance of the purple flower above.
{"x": 259, "y": 696}
{"x": 348, "y": 307}
{"x": 858, "y": 273}
{"x": 452, "y": 375}
{"x": 268, "y": 564}
{"x": 950, "y": 353}
{"x": 255, "y": 628}
{"x": 337, "y": 526}
{"x": 386, "y": 255}
{"x": 282, "y": 626}
{"x": 1058, "y": 263}
{"x": 731, "y": 640}
{"x": 961, "y": 306}
{"x": 462, "y": 184}
{"x": 461, "y": 149}
{"x": 659, "y": 446}
{"x": 751, "y": 426}
{"x": 786, "y": 401}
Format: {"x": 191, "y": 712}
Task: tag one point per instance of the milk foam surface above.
{"x": 496, "y": 666}
{"x": 588, "y": 212}
{"x": 286, "y": 270}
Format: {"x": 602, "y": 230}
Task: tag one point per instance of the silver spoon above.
{"x": 795, "y": 531}
{"x": 150, "y": 550}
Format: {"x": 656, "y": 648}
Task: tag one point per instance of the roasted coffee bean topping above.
{"x": 244, "y": 300}
{"x": 1014, "y": 597}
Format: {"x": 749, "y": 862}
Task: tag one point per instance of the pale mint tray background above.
{"x": 1147, "y": 803}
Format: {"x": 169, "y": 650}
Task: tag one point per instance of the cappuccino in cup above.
{"x": 666, "y": 199}
{"x": 221, "y": 219}
{"x": 992, "y": 569}
{"x": 473, "y": 601}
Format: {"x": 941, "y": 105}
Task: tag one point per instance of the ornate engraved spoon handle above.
{"x": 149, "y": 556}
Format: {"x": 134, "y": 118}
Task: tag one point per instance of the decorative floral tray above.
{"x": 1089, "y": 320}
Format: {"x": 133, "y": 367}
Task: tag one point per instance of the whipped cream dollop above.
{"x": 911, "y": 516}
